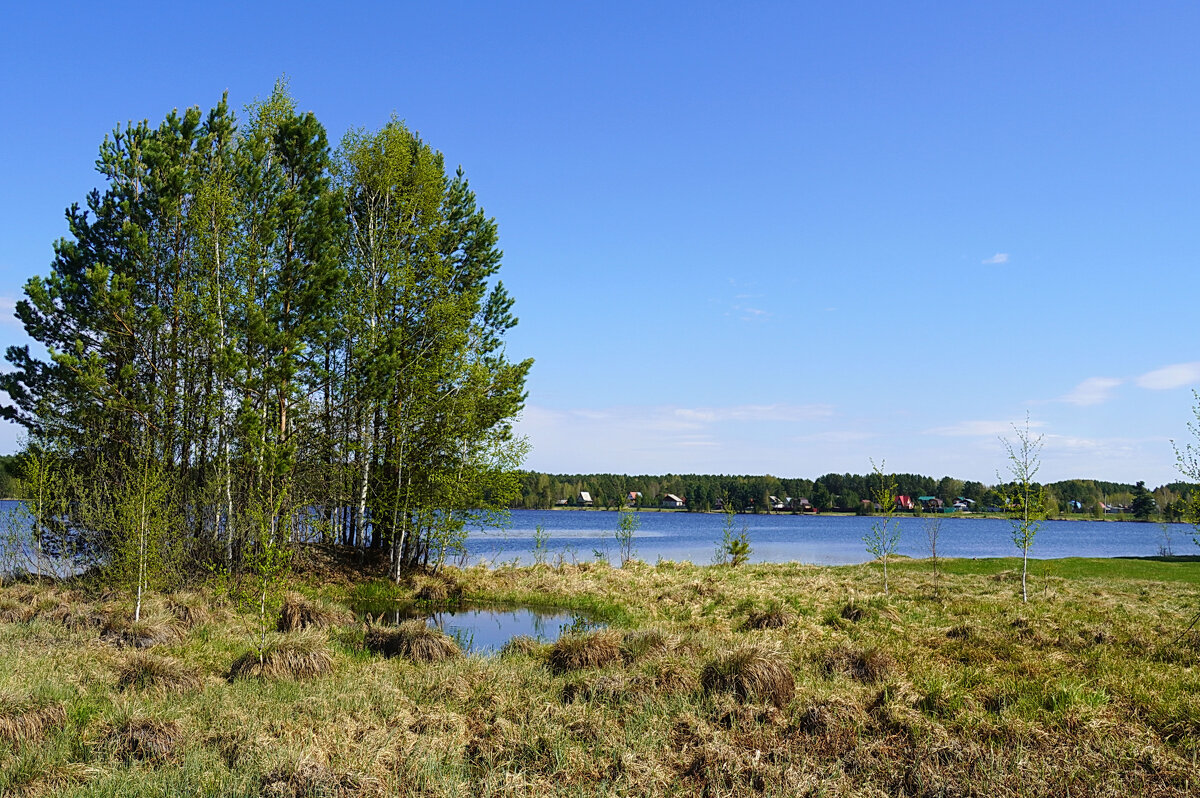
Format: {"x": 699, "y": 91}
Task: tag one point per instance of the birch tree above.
{"x": 1026, "y": 498}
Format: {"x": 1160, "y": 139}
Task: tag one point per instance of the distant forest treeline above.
{"x": 840, "y": 492}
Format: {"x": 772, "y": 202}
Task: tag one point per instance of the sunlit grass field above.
{"x": 708, "y": 680}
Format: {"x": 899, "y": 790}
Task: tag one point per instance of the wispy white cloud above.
{"x": 779, "y": 413}
{"x": 664, "y": 438}
{"x": 752, "y": 314}
{"x": 1092, "y": 391}
{"x": 978, "y": 428}
{"x": 835, "y": 436}
{"x": 8, "y": 307}
{"x": 999, "y": 257}
{"x": 1177, "y": 375}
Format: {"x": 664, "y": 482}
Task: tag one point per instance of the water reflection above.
{"x": 485, "y": 630}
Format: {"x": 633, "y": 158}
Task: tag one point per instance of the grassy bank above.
{"x": 766, "y": 679}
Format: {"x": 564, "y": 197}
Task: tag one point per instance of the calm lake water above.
{"x": 814, "y": 539}
{"x": 485, "y": 630}
{"x": 576, "y": 535}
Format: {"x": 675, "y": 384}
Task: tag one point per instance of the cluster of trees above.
{"x": 839, "y": 492}
{"x": 9, "y": 465}
{"x": 252, "y": 339}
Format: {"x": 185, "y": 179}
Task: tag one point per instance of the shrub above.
{"x": 414, "y": 640}
{"x": 752, "y": 673}
{"x": 574, "y": 651}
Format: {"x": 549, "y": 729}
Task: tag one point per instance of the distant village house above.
{"x": 673, "y": 501}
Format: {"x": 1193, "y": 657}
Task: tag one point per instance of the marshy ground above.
{"x": 763, "y": 679}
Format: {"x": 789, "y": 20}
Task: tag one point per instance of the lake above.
{"x": 576, "y": 535}
{"x": 815, "y": 539}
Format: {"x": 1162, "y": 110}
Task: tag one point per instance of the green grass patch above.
{"x": 1159, "y": 569}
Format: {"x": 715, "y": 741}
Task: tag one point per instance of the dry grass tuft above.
{"x": 298, "y": 657}
{"x": 673, "y": 677}
{"x": 641, "y": 643}
{"x": 414, "y": 640}
{"x": 607, "y": 688}
{"x": 25, "y": 719}
{"x": 147, "y": 739}
{"x": 852, "y": 612}
{"x": 961, "y": 632}
{"x": 189, "y": 609}
{"x": 13, "y": 611}
{"x": 121, "y": 630}
{"x": 522, "y": 646}
{"x": 871, "y": 665}
{"x": 143, "y": 671}
{"x": 575, "y": 652}
{"x": 752, "y": 673}
{"x": 299, "y": 613}
{"x": 774, "y": 618}
{"x": 1181, "y": 650}
{"x": 307, "y": 778}
{"x": 438, "y": 590}
{"x": 74, "y": 616}
{"x": 825, "y": 717}
{"x": 24, "y": 592}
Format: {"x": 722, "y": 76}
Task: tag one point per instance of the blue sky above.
{"x": 747, "y": 237}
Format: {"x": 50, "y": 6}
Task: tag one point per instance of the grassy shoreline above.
{"x": 775, "y": 679}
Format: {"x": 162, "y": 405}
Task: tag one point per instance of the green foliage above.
{"x": 10, "y": 466}
{"x": 1026, "y": 498}
{"x": 541, "y": 543}
{"x": 1187, "y": 460}
{"x": 272, "y": 328}
{"x": 846, "y": 491}
{"x": 884, "y": 538}
{"x": 136, "y": 518}
{"x": 268, "y": 559}
{"x": 38, "y": 539}
{"x": 821, "y": 498}
{"x": 628, "y": 523}
{"x": 1143, "y": 505}
{"x": 734, "y": 549}
{"x": 933, "y": 529}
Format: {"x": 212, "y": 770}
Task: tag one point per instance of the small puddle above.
{"x": 485, "y": 629}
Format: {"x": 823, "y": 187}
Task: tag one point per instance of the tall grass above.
{"x": 1090, "y": 689}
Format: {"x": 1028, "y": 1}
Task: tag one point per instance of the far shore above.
{"x": 1109, "y": 518}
